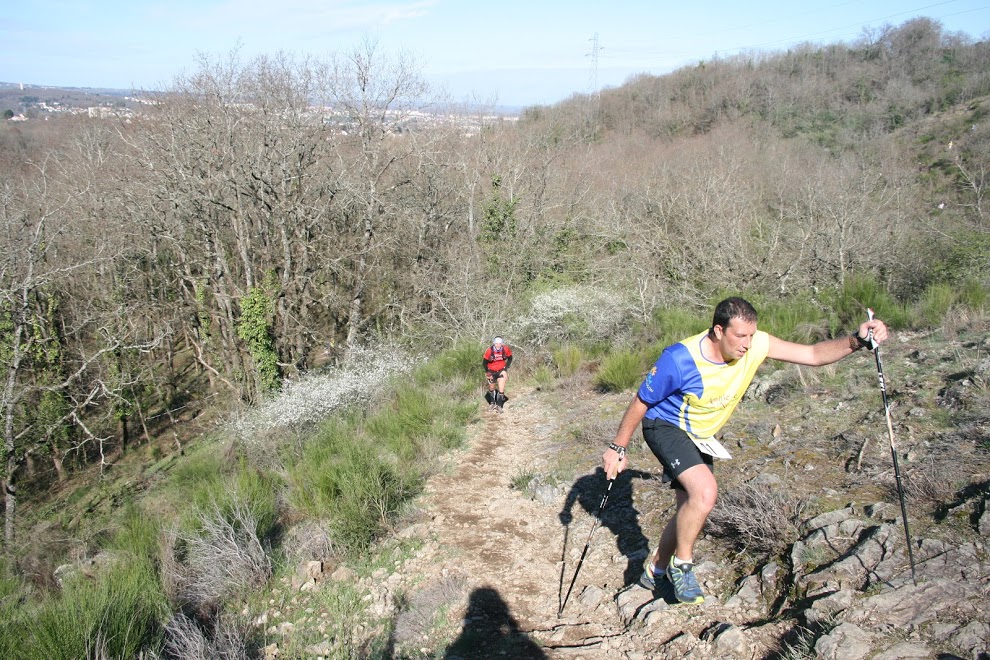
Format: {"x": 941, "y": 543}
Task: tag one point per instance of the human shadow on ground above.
{"x": 619, "y": 515}
{"x": 490, "y": 631}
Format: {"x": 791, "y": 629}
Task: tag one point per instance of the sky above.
{"x": 511, "y": 53}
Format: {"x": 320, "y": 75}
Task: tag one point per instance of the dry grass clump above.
{"x": 427, "y": 608}
{"x": 184, "y": 639}
{"x": 596, "y": 433}
{"x": 756, "y": 519}
{"x": 222, "y": 557}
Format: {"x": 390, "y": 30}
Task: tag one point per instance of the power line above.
{"x": 594, "y": 64}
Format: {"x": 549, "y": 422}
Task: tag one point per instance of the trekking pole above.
{"x": 893, "y": 448}
{"x": 598, "y": 519}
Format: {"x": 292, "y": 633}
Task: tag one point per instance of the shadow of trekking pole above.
{"x": 598, "y": 519}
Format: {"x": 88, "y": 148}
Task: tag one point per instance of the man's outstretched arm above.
{"x": 828, "y": 351}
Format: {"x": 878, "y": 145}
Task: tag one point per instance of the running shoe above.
{"x": 686, "y": 588}
{"x": 647, "y": 580}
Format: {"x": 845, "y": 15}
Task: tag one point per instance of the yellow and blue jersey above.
{"x": 686, "y": 389}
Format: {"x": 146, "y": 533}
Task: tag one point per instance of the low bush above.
{"x": 934, "y": 304}
{"x": 621, "y": 370}
{"x": 13, "y": 612}
{"x": 355, "y": 485}
{"x": 861, "y": 291}
{"x": 574, "y": 313}
{"x": 756, "y": 519}
{"x": 567, "y": 359}
{"x": 120, "y": 614}
{"x": 543, "y": 376}
{"x": 796, "y": 319}
{"x": 222, "y": 557}
{"x": 459, "y": 364}
{"x": 185, "y": 639}
{"x": 973, "y": 294}
{"x": 669, "y": 325}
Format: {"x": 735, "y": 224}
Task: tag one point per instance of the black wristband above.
{"x": 618, "y": 449}
{"x": 860, "y": 342}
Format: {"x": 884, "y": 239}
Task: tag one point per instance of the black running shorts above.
{"x": 674, "y": 449}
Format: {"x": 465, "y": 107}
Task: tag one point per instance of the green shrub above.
{"x": 202, "y": 483}
{"x": 347, "y": 482}
{"x": 521, "y": 479}
{"x": 137, "y": 535}
{"x": 973, "y": 294}
{"x": 621, "y": 371}
{"x": 414, "y": 419}
{"x": 543, "y": 376}
{"x": 568, "y": 360}
{"x": 860, "y": 291}
{"x": 356, "y": 473}
{"x": 118, "y": 615}
{"x": 968, "y": 254}
{"x": 259, "y": 493}
{"x": 795, "y": 319}
{"x": 197, "y": 478}
{"x": 934, "y": 304}
{"x": 14, "y": 614}
{"x": 462, "y": 361}
{"x": 670, "y": 325}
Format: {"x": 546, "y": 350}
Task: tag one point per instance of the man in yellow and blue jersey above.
{"x": 685, "y": 399}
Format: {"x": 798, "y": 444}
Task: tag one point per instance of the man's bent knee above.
{"x": 700, "y": 485}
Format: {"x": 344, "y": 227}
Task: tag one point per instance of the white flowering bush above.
{"x": 318, "y": 396}
{"x": 574, "y": 313}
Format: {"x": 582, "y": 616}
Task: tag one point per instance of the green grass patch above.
{"x": 973, "y": 295}
{"x": 459, "y": 364}
{"x": 14, "y": 614}
{"x": 669, "y": 325}
{"x": 568, "y": 360}
{"x": 862, "y": 291}
{"x": 521, "y": 479}
{"x": 543, "y": 376}
{"x": 344, "y": 479}
{"x": 137, "y": 534}
{"x": 117, "y": 615}
{"x": 357, "y": 472}
{"x": 934, "y": 304}
{"x": 621, "y": 371}
{"x": 796, "y": 319}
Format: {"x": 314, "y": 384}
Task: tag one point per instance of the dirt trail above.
{"x": 504, "y": 557}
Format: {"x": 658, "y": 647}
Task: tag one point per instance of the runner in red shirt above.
{"x": 496, "y": 361}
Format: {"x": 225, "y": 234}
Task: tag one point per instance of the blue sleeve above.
{"x": 664, "y": 377}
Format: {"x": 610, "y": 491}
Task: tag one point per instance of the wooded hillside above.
{"x": 262, "y": 218}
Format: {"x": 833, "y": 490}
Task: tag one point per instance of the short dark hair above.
{"x": 732, "y": 308}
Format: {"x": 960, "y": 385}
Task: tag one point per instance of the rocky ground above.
{"x": 505, "y": 524}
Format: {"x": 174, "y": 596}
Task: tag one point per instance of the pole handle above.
{"x": 869, "y": 334}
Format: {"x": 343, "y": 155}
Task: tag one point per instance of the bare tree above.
{"x": 377, "y": 96}
{"x": 56, "y": 344}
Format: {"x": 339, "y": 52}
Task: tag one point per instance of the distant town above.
{"x": 25, "y": 103}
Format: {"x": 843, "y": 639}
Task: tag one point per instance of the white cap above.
{"x": 497, "y": 340}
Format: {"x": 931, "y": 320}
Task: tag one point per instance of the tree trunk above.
{"x": 124, "y": 438}
{"x": 58, "y": 464}
{"x": 9, "y": 502}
